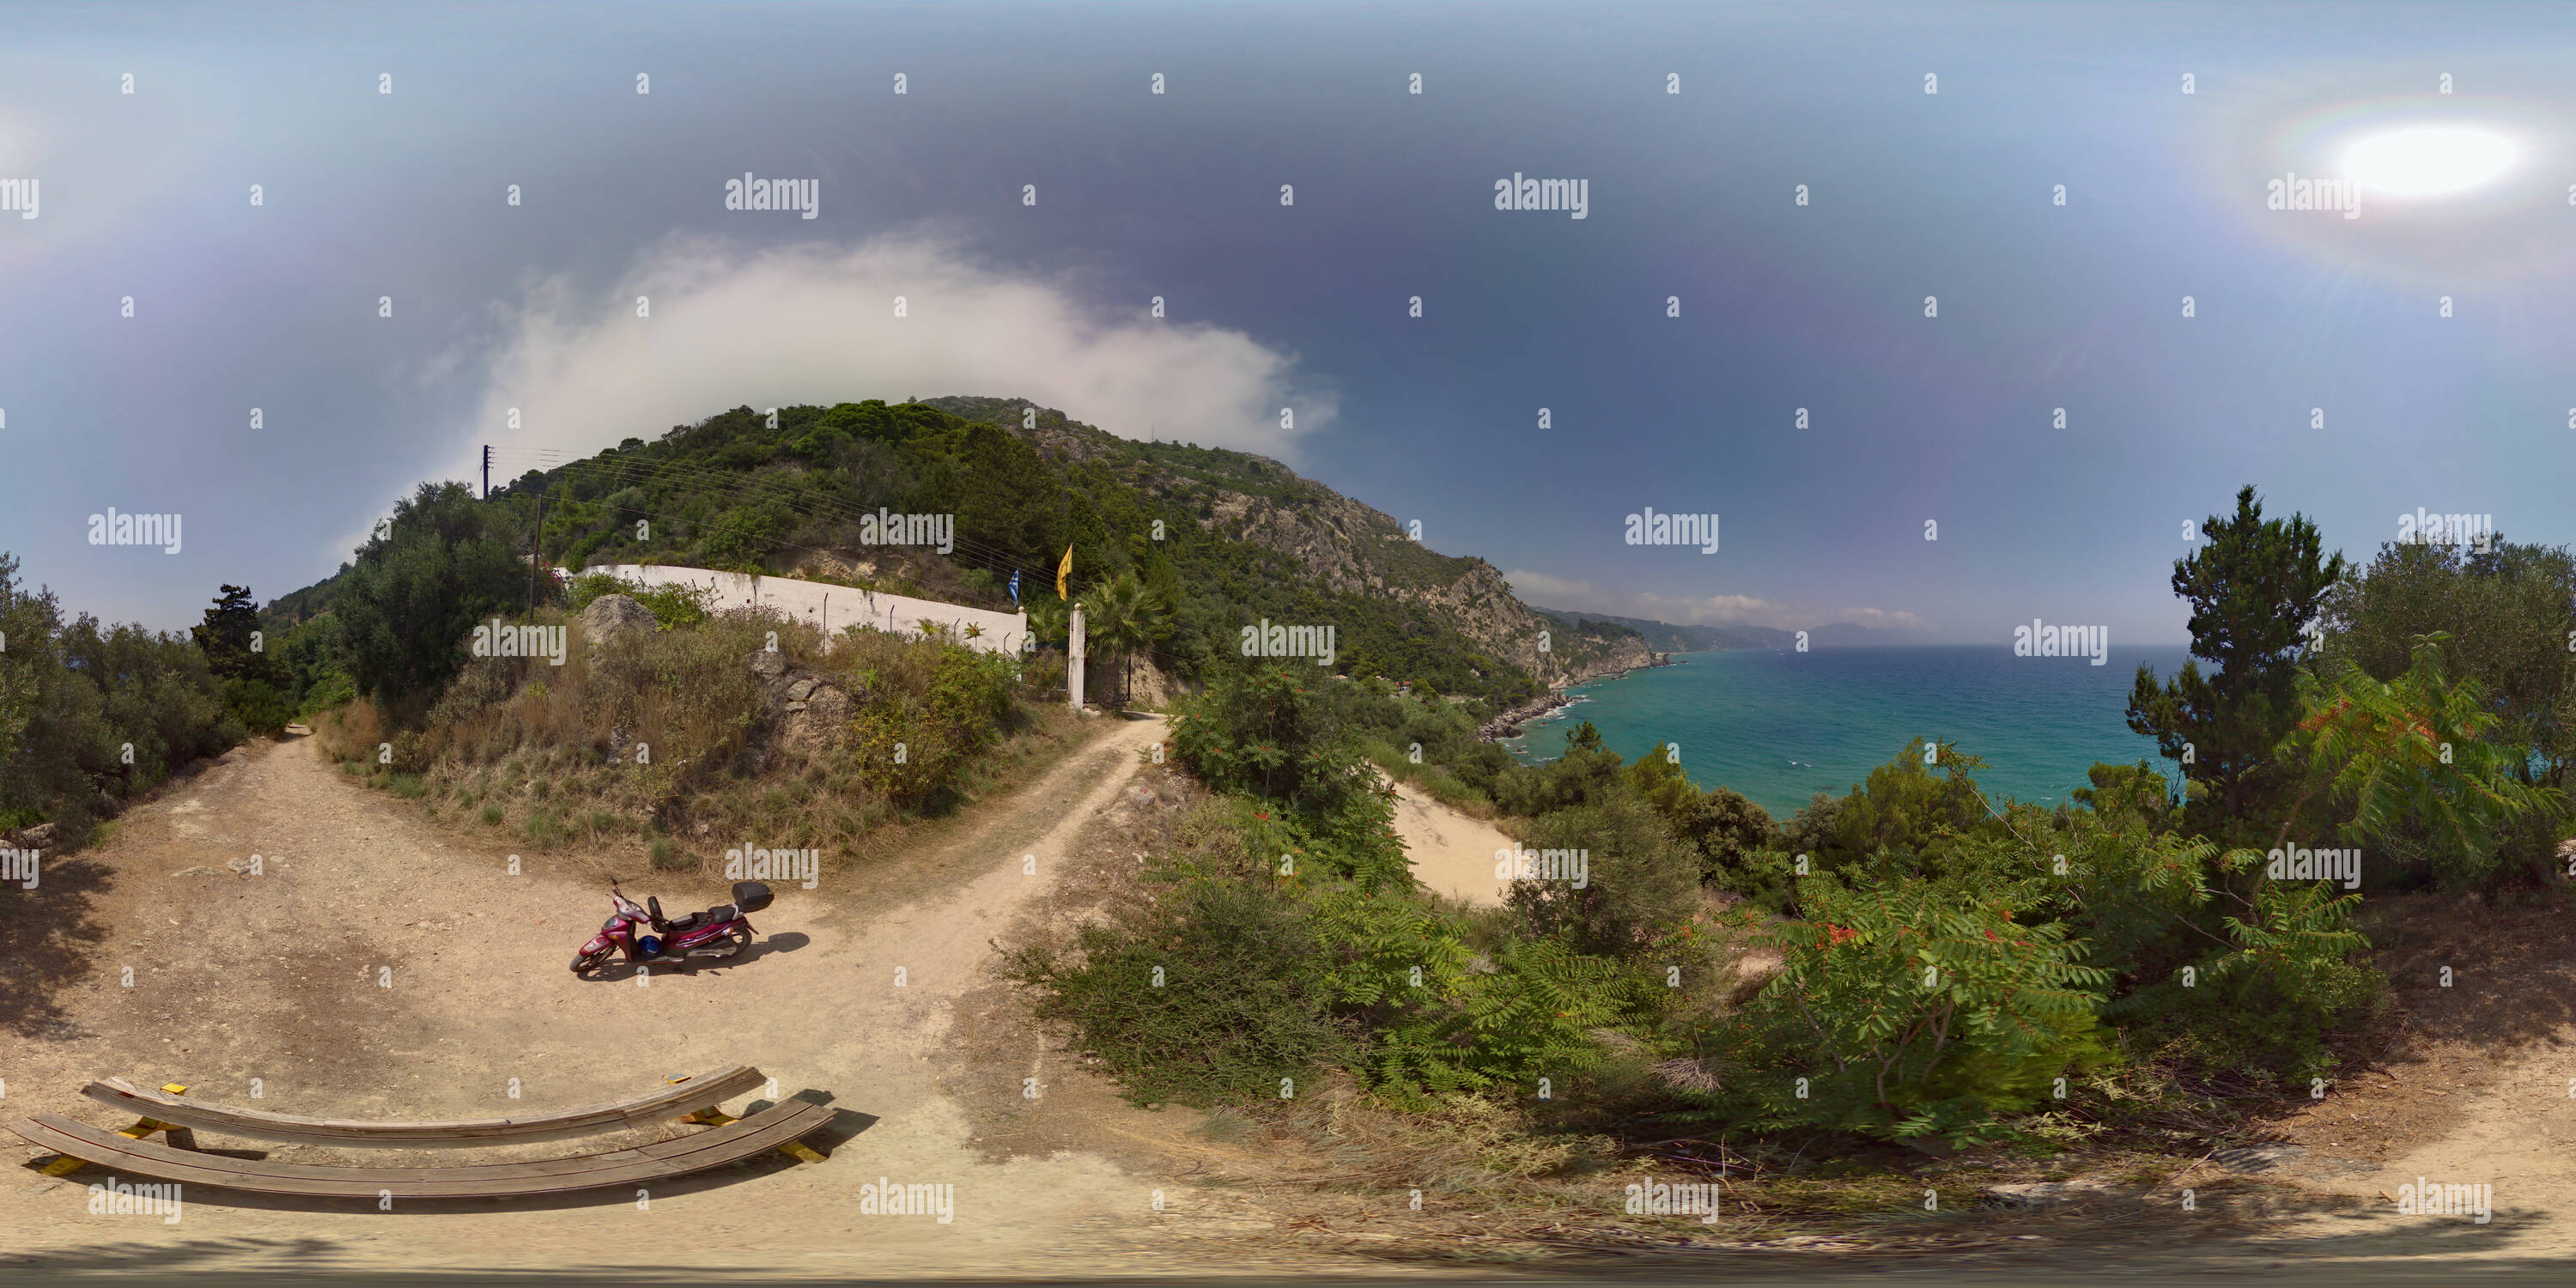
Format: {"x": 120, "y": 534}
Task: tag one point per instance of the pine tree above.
{"x": 2253, "y": 590}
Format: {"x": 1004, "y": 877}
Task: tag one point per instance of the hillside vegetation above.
{"x": 2137, "y": 970}
{"x": 1213, "y": 540}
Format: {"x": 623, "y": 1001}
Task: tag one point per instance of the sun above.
{"x": 2428, "y": 161}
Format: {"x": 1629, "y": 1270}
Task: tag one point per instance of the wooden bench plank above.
{"x": 777, "y": 1125}
{"x": 675, "y": 1101}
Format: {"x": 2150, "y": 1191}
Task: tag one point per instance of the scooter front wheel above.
{"x": 584, "y": 961}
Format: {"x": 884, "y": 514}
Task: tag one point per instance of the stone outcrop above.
{"x": 808, "y": 712}
{"x": 610, "y": 616}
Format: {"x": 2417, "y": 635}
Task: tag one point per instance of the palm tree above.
{"x": 1123, "y": 616}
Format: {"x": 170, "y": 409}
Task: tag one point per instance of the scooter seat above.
{"x": 715, "y": 916}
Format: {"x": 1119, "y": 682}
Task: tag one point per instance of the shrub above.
{"x": 1914, "y": 1008}
{"x": 1259, "y": 731}
{"x": 1639, "y": 886}
{"x": 408, "y": 603}
{"x": 542, "y": 830}
{"x": 1218, "y": 993}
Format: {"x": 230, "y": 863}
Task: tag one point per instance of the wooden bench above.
{"x": 679, "y": 1100}
{"x": 780, "y": 1124}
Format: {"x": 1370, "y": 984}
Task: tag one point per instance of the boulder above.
{"x": 610, "y": 616}
{"x": 820, "y": 720}
{"x": 768, "y": 665}
{"x": 39, "y": 837}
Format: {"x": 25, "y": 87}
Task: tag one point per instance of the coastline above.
{"x": 1508, "y": 724}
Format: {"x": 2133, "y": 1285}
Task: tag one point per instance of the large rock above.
{"x": 610, "y": 616}
{"x": 820, "y": 719}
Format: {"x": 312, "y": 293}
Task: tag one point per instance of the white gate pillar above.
{"x": 1074, "y": 656}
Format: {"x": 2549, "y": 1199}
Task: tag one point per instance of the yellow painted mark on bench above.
{"x": 65, "y": 1164}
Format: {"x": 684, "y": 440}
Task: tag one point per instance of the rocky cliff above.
{"x": 1342, "y": 545}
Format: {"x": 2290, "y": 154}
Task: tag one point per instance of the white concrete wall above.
{"x": 834, "y": 608}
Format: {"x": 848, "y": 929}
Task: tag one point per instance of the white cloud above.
{"x": 816, "y": 324}
{"x": 1707, "y": 610}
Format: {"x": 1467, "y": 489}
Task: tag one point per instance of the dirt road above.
{"x": 379, "y": 967}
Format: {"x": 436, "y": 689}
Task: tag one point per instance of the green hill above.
{"x": 1226, "y": 538}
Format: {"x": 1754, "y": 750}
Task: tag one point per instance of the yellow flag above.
{"x": 1062, "y": 571}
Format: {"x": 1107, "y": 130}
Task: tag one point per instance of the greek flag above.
{"x": 1015, "y": 588}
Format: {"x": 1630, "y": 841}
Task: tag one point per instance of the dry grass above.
{"x": 661, "y": 743}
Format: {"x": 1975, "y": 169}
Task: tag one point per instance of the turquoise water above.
{"x": 1782, "y": 726}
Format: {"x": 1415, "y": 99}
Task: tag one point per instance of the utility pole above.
{"x": 487, "y": 471}
{"x": 536, "y": 554}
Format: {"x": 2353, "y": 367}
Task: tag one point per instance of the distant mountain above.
{"x": 1667, "y": 637}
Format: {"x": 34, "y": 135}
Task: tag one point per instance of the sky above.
{"x": 385, "y": 307}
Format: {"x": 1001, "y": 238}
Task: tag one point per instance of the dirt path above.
{"x": 1452, "y": 853}
{"x": 280, "y": 977}
{"x": 2488, "y": 1099}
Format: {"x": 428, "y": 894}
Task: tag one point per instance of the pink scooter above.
{"x": 626, "y": 929}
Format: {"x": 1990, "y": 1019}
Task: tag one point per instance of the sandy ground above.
{"x": 279, "y": 977}
{"x": 1451, "y": 852}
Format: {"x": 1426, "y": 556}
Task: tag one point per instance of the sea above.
{"x": 1780, "y": 726}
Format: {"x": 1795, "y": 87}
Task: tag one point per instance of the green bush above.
{"x": 673, "y": 604}
{"x": 408, "y": 605}
{"x": 258, "y": 705}
{"x": 1913, "y": 1008}
{"x": 1638, "y": 886}
{"x": 1218, "y": 994}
